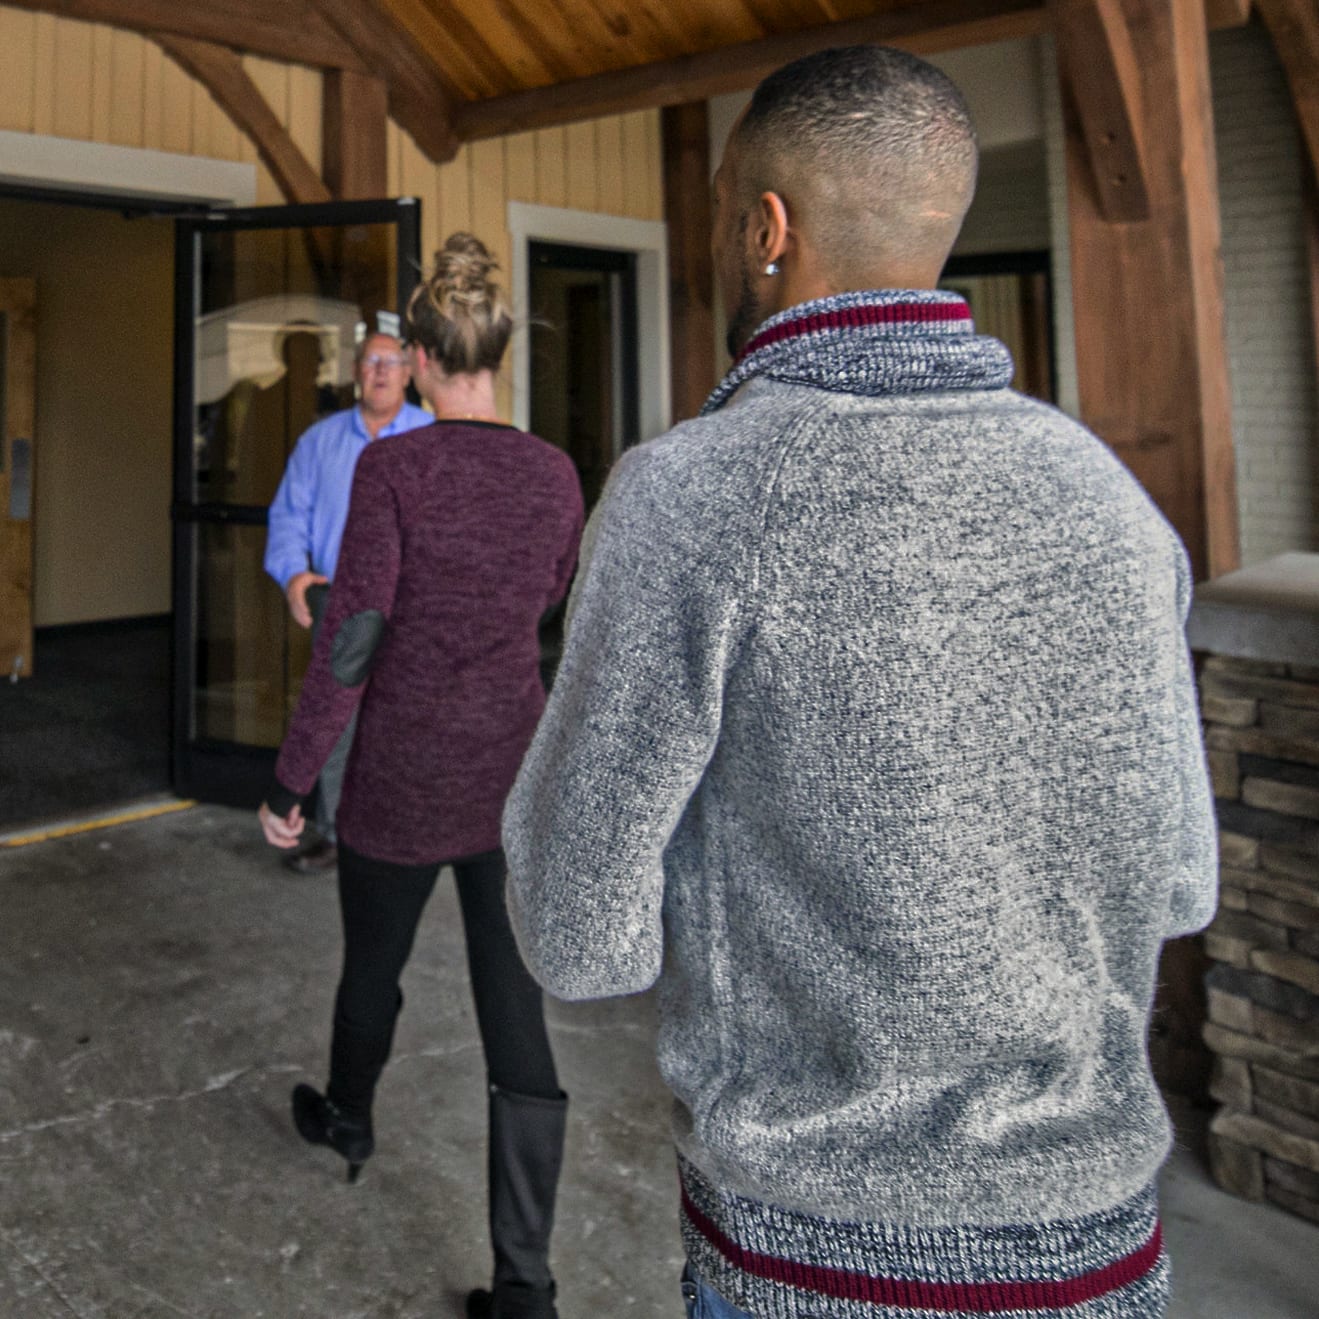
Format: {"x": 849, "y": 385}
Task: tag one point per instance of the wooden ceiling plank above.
{"x": 539, "y": 42}
{"x": 288, "y": 31}
{"x": 636, "y": 28}
{"x": 532, "y": 54}
{"x": 455, "y": 42}
{"x": 419, "y": 99}
{"x": 924, "y": 28}
{"x": 784, "y": 15}
{"x": 466, "y": 75}
{"x": 1294, "y": 27}
{"x": 1098, "y": 56}
{"x": 221, "y": 72}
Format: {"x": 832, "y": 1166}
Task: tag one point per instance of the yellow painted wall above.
{"x": 90, "y": 82}
{"x": 102, "y": 447}
{"x": 95, "y": 83}
{"x": 612, "y": 166}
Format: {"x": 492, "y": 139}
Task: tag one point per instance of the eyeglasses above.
{"x": 384, "y": 359}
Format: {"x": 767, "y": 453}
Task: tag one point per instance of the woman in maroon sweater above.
{"x": 460, "y": 537}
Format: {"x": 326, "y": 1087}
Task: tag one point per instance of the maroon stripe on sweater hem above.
{"x": 940, "y": 1297}
{"x": 850, "y": 318}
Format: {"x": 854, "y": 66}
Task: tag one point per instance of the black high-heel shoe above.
{"x": 320, "y": 1122}
{"x": 510, "y": 1301}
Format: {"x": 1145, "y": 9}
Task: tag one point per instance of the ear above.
{"x": 771, "y": 232}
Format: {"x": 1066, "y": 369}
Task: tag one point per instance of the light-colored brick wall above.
{"x": 1275, "y": 417}
{"x": 1269, "y": 333}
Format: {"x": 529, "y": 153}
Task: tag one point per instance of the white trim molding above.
{"x": 649, "y": 240}
{"x": 66, "y": 165}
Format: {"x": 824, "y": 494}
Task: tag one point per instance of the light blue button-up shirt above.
{"x": 311, "y": 505}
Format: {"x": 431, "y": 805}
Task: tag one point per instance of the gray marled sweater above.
{"x": 875, "y": 743}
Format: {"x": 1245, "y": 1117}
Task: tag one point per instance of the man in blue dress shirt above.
{"x": 307, "y": 521}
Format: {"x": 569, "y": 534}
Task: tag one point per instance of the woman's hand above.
{"x": 281, "y": 830}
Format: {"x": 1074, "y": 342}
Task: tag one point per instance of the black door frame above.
{"x": 229, "y": 772}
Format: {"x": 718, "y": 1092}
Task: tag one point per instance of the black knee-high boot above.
{"x": 341, "y": 1118}
{"x": 526, "y": 1154}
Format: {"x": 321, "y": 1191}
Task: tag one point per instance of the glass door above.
{"x": 269, "y": 306}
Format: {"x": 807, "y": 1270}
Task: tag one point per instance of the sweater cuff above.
{"x": 282, "y": 799}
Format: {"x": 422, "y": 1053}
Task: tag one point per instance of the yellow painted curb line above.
{"x": 101, "y": 822}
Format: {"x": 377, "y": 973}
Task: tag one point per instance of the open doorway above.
{"x": 584, "y": 369}
{"x": 85, "y": 721}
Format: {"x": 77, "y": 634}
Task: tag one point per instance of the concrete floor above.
{"x": 162, "y": 986}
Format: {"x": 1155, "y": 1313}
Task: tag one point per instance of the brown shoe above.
{"x": 319, "y": 856}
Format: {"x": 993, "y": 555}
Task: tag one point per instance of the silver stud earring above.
{"x": 772, "y": 268}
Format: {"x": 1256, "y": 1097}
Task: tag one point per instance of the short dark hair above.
{"x": 863, "y": 100}
{"x": 863, "y": 114}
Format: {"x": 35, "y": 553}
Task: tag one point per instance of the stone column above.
{"x": 1260, "y": 702}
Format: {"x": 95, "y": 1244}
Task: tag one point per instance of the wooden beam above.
{"x": 355, "y": 119}
{"x": 687, "y": 211}
{"x": 1294, "y": 26}
{"x": 1097, "y": 56}
{"x": 925, "y": 28}
{"x": 1148, "y": 296}
{"x": 419, "y": 98}
{"x": 1227, "y": 13}
{"x": 1311, "y": 216}
{"x": 221, "y": 72}
{"x": 290, "y": 30}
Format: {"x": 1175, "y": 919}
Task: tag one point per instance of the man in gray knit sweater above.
{"x": 875, "y": 745}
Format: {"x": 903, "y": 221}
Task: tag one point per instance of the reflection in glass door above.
{"x": 270, "y": 304}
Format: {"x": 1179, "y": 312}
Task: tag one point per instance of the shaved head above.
{"x": 873, "y": 155}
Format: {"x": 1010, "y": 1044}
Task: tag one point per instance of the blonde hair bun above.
{"x": 464, "y": 265}
{"x": 459, "y": 313}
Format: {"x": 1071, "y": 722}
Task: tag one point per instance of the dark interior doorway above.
{"x": 584, "y": 368}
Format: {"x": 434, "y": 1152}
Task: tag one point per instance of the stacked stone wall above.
{"x": 1262, "y": 739}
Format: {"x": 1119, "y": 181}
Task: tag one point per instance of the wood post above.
{"x": 355, "y": 120}
{"x": 1310, "y": 201}
{"x": 686, "y": 135}
{"x": 1150, "y": 342}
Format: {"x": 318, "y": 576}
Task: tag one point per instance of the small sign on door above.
{"x": 20, "y": 480}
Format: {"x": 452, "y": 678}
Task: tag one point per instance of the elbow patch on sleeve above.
{"x": 355, "y": 645}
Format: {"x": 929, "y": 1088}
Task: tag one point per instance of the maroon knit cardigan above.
{"x": 462, "y": 535}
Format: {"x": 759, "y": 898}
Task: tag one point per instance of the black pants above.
{"x": 382, "y": 903}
